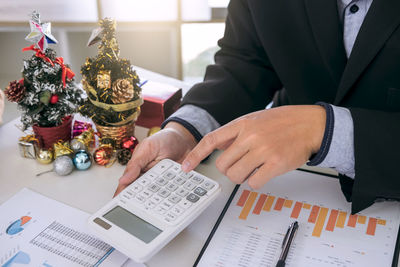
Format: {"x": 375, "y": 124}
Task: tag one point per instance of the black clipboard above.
{"x": 228, "y": 203}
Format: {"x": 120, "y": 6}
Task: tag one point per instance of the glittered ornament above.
{"x": 124, "y": 155}
{"x": 77, "y": 145}
{"x": 108, "y": 141}
{"x": 153, "y": 130}
{"x": 53, "y": 99}
{"x": 103, "y": 154}
{"x": 63, "y": 165}
{"x": 129, "y": 143}
{"x": 62, "y": 148}
{"x": 82, "y": 160}
{"x": 104, "y": 79}
{"x": 87, "y": 137}
{"x": 45, "y": 156}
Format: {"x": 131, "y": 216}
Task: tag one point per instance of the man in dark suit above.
{"x": 332, "y": 69}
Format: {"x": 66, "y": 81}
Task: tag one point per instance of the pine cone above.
{"x": 122, "y": 91}
{"x": 15, "y": 91}
{"x": 124, "y": 155}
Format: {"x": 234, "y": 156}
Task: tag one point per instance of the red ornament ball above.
{"x": 53, "y": 99}
{"x": 103, "y": 155}
{"x": 129, "y": 143}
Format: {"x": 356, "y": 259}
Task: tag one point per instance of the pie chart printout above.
{"x": 18, "y": 226}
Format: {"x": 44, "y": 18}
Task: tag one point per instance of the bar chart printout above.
{"x": 252, "y": 230}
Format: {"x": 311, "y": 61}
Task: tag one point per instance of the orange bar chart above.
{"x": 279, "y": 204}
{"x": 260, "y": 204}
{"x": 296, "y": 210}
{"x": 317, "y": 215}
{"x": 268, "y": 203}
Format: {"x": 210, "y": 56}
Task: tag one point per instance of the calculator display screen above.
{"x": 132, "y": 224}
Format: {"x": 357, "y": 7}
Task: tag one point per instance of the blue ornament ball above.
{"x": 82, "y": 160}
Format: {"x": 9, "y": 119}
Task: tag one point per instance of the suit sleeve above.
{"x": 377, "y": 147}
{"x": 242, "y": 79}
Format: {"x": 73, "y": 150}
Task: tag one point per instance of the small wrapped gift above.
{"x": 80, "y": 127}
{"x": 28, "y": 146}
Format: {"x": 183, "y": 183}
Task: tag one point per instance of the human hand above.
{"x": 263, "y": 144}
{"x": 173, "y": 142}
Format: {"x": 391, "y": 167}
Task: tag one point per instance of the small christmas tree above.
{"x": 47, "y": 92}
{"x": 110, "y": 82}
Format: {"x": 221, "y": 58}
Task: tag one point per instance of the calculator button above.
{"x": 192, "y": 198}
{"x": 189, "y": 185}
{"x": 140, "y": 198}
{"x": 185, "y": 175}
{"x": 147, "y": 193}
{"x": 160, "y": 210}
{"x": 153, "y": 188}
{"x": 136, "y": 188}
{"x": 143, "y": 181}
{"x": 169, "y": 175}
{"x": 185, "y": 204}
{"x": 197, "y": 179}
{"x": 172, "y": 187}
{"x": 177, "y": 210}
{"x": 126, "y": 196}
{"x": 164, "y": 193}
{"x": 150, "y": 204}
{"x": 130, "y": 193}
{"x": 179, "y": 180}
{"x": 161, "y": 181}
{"x": 200, "y": 191}
{"x": 156, "y": 199}
{"x": 170, "y": 217}
{"x": 208, "y": 185}
{"x": 174, "y": 199}
{"x": 161, "y": 167}
{"x": 176, "y": 168}
{"x": 166, "y": 204}
{"x": 182, "y": 192}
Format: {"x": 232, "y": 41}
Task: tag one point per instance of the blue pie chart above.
{"x": 18, "y": 225}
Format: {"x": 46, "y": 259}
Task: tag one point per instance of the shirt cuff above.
{"x": 195, "y": 119}
{"x": 337, "y": 148}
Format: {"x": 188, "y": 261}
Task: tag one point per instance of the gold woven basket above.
{"x": 118, "y": 133}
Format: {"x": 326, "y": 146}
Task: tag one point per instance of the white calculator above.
{"x": 151, "y": 211}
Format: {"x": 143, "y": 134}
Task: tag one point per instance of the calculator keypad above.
{"x": 167, "y": 192}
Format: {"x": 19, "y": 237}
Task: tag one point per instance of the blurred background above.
{"x": 177, "y": 38}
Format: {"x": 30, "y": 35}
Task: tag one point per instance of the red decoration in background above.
{"x": 129, "y": 143}
{"x": 66, "y": 72}
{"x": 53, "y": 99}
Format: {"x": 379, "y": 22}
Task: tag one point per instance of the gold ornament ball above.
{"x": 153, "y": 130}
{"x": 45, "y": 156}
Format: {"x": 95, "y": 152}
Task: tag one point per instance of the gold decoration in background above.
{"x": 86, "y": 138}
{"x": 104, "y": 79}
{"x": 122, "y": 91}
{"x": 61, "y": 149}
{"x": 117, "y": 133}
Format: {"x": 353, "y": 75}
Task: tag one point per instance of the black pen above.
{"x": 287, "y": 241}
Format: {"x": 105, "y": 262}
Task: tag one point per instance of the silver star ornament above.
{"x": 40, "y": 32}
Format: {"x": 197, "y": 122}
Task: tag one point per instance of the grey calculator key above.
{"x": 177, "y": 210}
{"x": 157, "y": 199}
{"x": 208, "y": 185}
{"x": 197, "y": 179}
{"x": 189, "y": 185}
{"x": 154, "y": 188}
{"x": 174, "y": 199}
{"x": 143, "y": 181}
{"x": 185, "y": 175}
{"x": 182, "y": 192}
{"x": 184, "y": 204}
{"x": 166, "y": 204}
{"x": 200, "y": 191}
{"x": 160, "y": 210}
{"x": 171, "y": 187}
{"x": 170, "y": 217}
{"x": 164, "y": 193}
{"x": 140, "y": 198}
{"x": 150, "y": 176}
{"x": 176, "y": 168}
{"x": 161, "y": 167}
{"x": 169, "y": 175}
{"x": 161, "y": 181}
{"x": 150, "y": 204}
{"x": 179, "y": 180}
{"x": 136, "y": 188}
{"x": 147, "y": 193}
{"x": 192, "y": 198}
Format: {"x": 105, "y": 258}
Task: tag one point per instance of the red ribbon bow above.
{"x": 66, "y": 72}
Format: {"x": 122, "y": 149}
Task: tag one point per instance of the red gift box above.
{"x": 160, "y": 101}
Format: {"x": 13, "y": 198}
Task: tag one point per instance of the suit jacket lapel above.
{"x": 325, "y": 24}
{"x": 380, "y": 22}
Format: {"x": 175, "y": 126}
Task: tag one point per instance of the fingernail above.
{"x": 185, "y": 166}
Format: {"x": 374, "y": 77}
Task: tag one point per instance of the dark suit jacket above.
{"x": 298, "y": 45}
